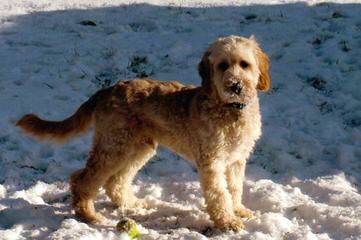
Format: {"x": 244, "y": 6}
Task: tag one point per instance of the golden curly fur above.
{"x": 215, "y": 126}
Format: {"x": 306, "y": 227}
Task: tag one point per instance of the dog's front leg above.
{"x": 235, "y": 176}
{"x": 218, "y": 199}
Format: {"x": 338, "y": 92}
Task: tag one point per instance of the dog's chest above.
{"x": 239, "y": 139}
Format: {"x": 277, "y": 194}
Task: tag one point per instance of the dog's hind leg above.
{"x": 107, "y": 157}
{"x": 119, "y": 186}
{"x": 82, "y": 197}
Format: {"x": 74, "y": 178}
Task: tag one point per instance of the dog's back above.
{"x": 136, "y": 97}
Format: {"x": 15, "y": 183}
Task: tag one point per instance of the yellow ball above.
{"x": 129, "y": 226}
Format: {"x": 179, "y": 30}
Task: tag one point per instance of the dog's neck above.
{"x": 236, "y": 105}
{"x": 220, "y": 111}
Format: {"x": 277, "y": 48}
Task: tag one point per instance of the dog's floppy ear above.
{"x": 264, "y": 81}
{"x": 205, "y": 71}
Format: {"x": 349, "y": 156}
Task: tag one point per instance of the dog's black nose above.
{"x": 236, "y": 88}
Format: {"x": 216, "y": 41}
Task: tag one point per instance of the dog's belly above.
{"x": 178, "y": 142}
{"x": 182, "y": 150}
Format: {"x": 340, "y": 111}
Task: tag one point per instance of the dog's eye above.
{"x": 223, "y": 66}
{"x": 244, "y": 64}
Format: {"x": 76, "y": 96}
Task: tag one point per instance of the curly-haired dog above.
{"x": 215, "y": 125}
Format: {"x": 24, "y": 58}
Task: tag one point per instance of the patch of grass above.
{"x": 338, "y": 14}
{"x": 325, "y": 107}
{"x": 320, "y": 39}
{"x": 143, "y": 26}
{"x": 344, "y": 46}
{"x": 108, "y": 53}
{"x": 317, "y": 83}
{"x": 353, "y": 123}
{"x": 106, "y": 77}
{"x": 251, "y": 16}
{"x": 140, "y": 66}
{"x": 88, "y": 23}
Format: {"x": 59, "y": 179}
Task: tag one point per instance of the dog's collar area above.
{"x": 236, "y": 105}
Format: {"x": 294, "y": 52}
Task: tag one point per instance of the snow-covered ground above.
{"x": 304, "y": 178}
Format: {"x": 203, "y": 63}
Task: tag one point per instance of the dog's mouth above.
{"x": 236, "y": 105}
{"x": 234, "y": 95}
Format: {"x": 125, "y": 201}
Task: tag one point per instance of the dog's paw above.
{"x": 95, "y": 219}
{"x": 233, "y": 224}
{"x": 244, "y": 212}
{"x": 141, "y": 203}
{"x": 98, "y": 219}
{"x": 130, "y": 202}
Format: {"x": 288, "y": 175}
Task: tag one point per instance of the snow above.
{"x": 303, "y": 180}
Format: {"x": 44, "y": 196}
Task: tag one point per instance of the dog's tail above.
{"x": 61, "y": 131}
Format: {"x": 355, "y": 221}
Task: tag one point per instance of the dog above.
{"x": 215, "y": 125}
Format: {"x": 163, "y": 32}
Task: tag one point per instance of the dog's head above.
{"x": 234, "y": 68}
